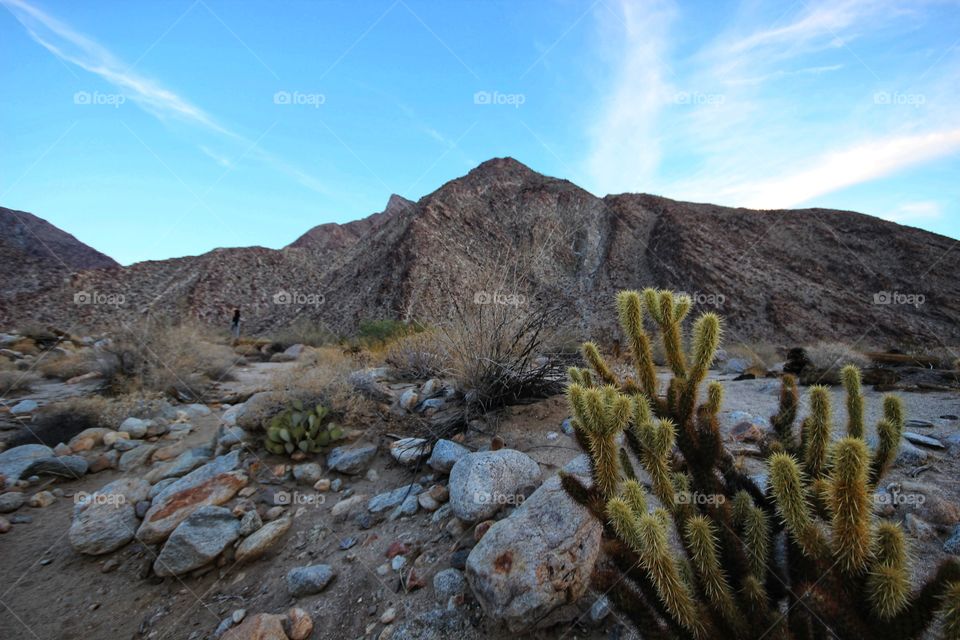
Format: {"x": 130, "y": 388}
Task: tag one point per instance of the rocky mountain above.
{"x": 37, "y": 255}
{"x": 784, "y": 276}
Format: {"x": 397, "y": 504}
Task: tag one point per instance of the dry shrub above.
{"x": 305, "y": 331}
{"x": 320, "y": 377}
{"x": 835, "y": 355}
{"x": 14, "y": 381}
{"x": 179, "y": 359}
{"x": 69, "y": 365}
{"x": 419, "y": 356}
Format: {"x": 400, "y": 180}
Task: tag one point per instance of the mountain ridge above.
{"x": 783, "y": 275}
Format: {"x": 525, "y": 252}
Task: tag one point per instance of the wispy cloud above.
{"x": 768, "y": 118}
{"x": 80, "y": 50}
{"x": 916, "y": 212}
{"x": 626, "y": 144}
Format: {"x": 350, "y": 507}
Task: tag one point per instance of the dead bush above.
{"x": 419, "y": 356}
{"x": 835, "y": 355}
{"x": 178, "y": 359}
{"x": 305, "y": 331}
{"x": 69, "y": 365}
{"x": 14, "y": 381}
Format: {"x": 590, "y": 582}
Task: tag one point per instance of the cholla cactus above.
{"x": 300, "y": 429}
{"x": 843, "y": 574}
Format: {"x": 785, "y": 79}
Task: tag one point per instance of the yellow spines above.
{"x": 657, "y": 558}
{"x": 657, "y": 438}
{"x": 819, "y": 425}
{"x": 601, "y": 413}
{"x": 893, "y": 411}
{"x": 851, "y": 383}
{"x": 635, "y": 496}
{"x": 702, "y": 543}
{"x": 888, "y": 585}
{"x": 849, "y": 503}
{"x": 888, "y": 442}
{"x": 706, "y": 341}
{"x": 787, "y": 484}
{"x": 951, "y": 612}
{"x": 756, "y": 538}
{"x": 592, "y": 355}
{"x": 630, "y": 310}
{"x": 670, "y": 328}
{"x": 714, "y": 397}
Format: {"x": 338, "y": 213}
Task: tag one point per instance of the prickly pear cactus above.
{"x": 298, "y": 428}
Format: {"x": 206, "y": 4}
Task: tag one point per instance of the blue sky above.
{"x": 160, "y": 129}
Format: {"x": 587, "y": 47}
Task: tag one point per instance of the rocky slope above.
{"x": 784, "y": 276}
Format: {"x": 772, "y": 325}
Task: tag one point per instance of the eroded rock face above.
{"x": 107, "y": 519}
{"x": 530, "y": 568}
{"x": 481, "y": 483}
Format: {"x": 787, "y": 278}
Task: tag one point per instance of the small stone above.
{"x": 567, "y": 427}
{"x": 445, "y": 454}
{"x": 372, "y": 475}
{"x": 398, "y": 562}
{"x": 4, "y": 525}
{"x": 250, "y": 522}
{"x": 322, "y": 485}
{"x": 383, "y": 569}
{"x": 306, "y": 581}
{"x": 351, "y": 460}
{"x": 482, "y": 528}
{"x": 263, "y": 626}
{"x": 344, "y": 508}
{"x": 439, "y": 492}
{"x": 599, "y": 610}
{"x": 141, "y": 508}
{"x": 441, "y": 514}
{"x": 552, "y": 435}
{"x": 136, "y": 427}
{"x": 926, "y": 441}
{"x": 448, "y": 583}
{"x": 336, "y": 485}
{"x": 11, "y": 501}
{"x": 274, "y": 512}
{"x": 62, "y": 450}
{"x": 408, "y": 399}
{"x": 952, "y": 545}
{"x": 299, "y": 624}
{"x": 262, "y": 540}
{"x": 388, "y": 616}
{"x": 308, "y": 473}
{"x": 24, "y": 407}
{"x": 390, "y": 499}
{"x": 427, "y": 502}
{"x": 42, "y": 499}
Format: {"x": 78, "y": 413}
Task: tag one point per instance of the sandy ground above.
{"x": 47, "y": 591}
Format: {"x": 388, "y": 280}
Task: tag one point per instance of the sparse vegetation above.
{"x": 374, "y": 334}
{"x": 307, "y": 332}
{"x": 177, "y": 359}
{"x": 825, "y": 356}
{"x": 69, "y": 365}
{"x": 301, "y": 428}
{"x": 419, "y": 356}
{"x": 725, "y": 577}
{"x": 15, "y": 381}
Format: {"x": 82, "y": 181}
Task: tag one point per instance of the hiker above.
{"x": 235, "y": 326}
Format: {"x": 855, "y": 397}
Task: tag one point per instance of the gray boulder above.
{"x": 481, "y": 483}
{"x": 14, "y": 461}
{"x": 351, "y": 460}
{"x": 388, "y": 500}
{"x": 447, "y": 583}
{"x": 72, "y": 467}
{"x": 196, "y": 541}
{"x": 438, "y": 624}
{"x": 181, "y": 465}
{"x": 530, "y": 568}
{"x": 11, "y": 501}
{"x": 307, "y": 581}
{"x": 106, "y": 520}
{"x": 445, "y": 455}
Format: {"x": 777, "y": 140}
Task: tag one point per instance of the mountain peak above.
{"x": 506, "y": 166}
